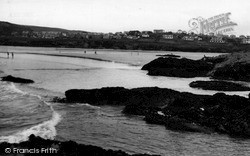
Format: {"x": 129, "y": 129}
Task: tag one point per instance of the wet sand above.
{"x": 132, "y": 57}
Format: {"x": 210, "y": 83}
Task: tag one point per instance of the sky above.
{"x": 122, "y": 15}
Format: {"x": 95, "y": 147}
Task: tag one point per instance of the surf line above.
{"x": 45, "y": 129}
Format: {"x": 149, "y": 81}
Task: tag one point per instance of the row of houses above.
{"x": 133, "y": 34}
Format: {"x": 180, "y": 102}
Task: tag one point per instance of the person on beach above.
{"x": 8, "y": 54}
{"x": 95, "y": 52}
{"x": 12, "y": 55}
{"x": 85, "y": 51}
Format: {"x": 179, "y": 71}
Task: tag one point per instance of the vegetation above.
{"x": 126, "y": 44}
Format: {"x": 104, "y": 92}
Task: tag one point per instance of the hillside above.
{"x": 7, "y": 28}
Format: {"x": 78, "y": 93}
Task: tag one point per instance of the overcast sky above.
{"x": 121, "y": 15}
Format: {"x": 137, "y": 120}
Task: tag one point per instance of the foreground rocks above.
{"x": 176, "y": 110}
{"x": 10, "y": 78}
{"x": 40, "y": 146}
{"x": 218, "y": 86}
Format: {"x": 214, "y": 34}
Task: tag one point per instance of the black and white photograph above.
{"x": 124, "y": 77}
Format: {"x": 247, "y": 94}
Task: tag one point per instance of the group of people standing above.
{"x": 8, "y": 55}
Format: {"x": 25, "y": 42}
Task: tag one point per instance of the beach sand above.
{"x": 132, "y": 57}
{"x": 137, "y": 58}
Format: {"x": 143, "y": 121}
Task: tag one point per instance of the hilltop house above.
{"x": 242, "y": 37}
{"x": 106, "y": 36}
{"x": 217, "y": 40}
{"x": 245, "y": 40}
{"x": 25, "y": 33}
{"x": 168, "y": 36}
{"x": 232, "y": 36}
{"x": 145, "y": 35}
{"x": 188, "y": 38}
{"x": 179, "y": 31}
{"x": 159, "y": 31}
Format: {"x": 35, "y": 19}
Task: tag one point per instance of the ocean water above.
{"x": 26, "y": 109}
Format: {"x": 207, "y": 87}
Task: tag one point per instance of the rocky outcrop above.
{"x": 16, "y": 79}
{"x": 218, "y": 113}
{"x": 219, "y": 86}
{"x": 40, "y": 146}
{"x": 239, "y": 71}
{"x": 176, "y": 110}
{"x": 174, "y": 67}
{"x": 233, "y": 66}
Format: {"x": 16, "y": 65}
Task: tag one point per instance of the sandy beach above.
{"x": 132, "y": 57}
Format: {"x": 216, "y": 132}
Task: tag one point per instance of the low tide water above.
{"x": 25, "y": 109}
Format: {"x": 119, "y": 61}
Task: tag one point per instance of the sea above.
{"x": 27, "y": 109}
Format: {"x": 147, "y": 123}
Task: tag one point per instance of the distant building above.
{"x": 159, "y": 31}
{"x": 25, "y": 34}
{"x": 145, "y": 35}
{"x": 198, "y": 38}
{"x": 168, "y": 36}
{"x": 211, "y": 34}
{"x": 179, "y": 31}
{"x": 242, "y": 37}
{"x": 245, "y": 41}
{"x": 232, "y": 36}
{"x": 63, "y": 34}
{"x": 217, "y": 40}
{"x": 147, "y": 32}
{"x": 188, "y": 38}
{"x": 14, "y": 34}
{"x": 184, "y": 32}
{"x": 106, "y": 36}
{"x": 134, "y": 33}
{"x": 117, "y": 36}
{"x": 132, "y": 37}
{"x": 95, "y": 36}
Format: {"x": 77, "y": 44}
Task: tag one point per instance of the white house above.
{"x": 169, "y": 36}
{"x": 217, "y": 40}
{"x": 188, "y": 38}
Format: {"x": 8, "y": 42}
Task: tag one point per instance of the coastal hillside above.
{"x": 7, "y": 29}
{"x": 36, "y": 36}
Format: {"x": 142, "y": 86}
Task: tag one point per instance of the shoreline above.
{"x": 112, "y": 50}
{"x": 131, "y": 57}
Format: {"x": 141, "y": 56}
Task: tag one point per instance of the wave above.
{"x": 85, "y": 104}
{"x": 45, "y": 129}
{"x": 13, "y": 88}
{"x": 10, "y": 88}
{"x": 9, "y": 91}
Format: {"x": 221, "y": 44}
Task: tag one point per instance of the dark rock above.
{"x": 176, "y": 110}
{"x": 234, "y": 66}
{"x": 238, "y": 71}
{"x": 58, "y": 148}
{"x": 16, "y": 79}
{"x": 218, "y": 86}
{"x": 175, "y": 67}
